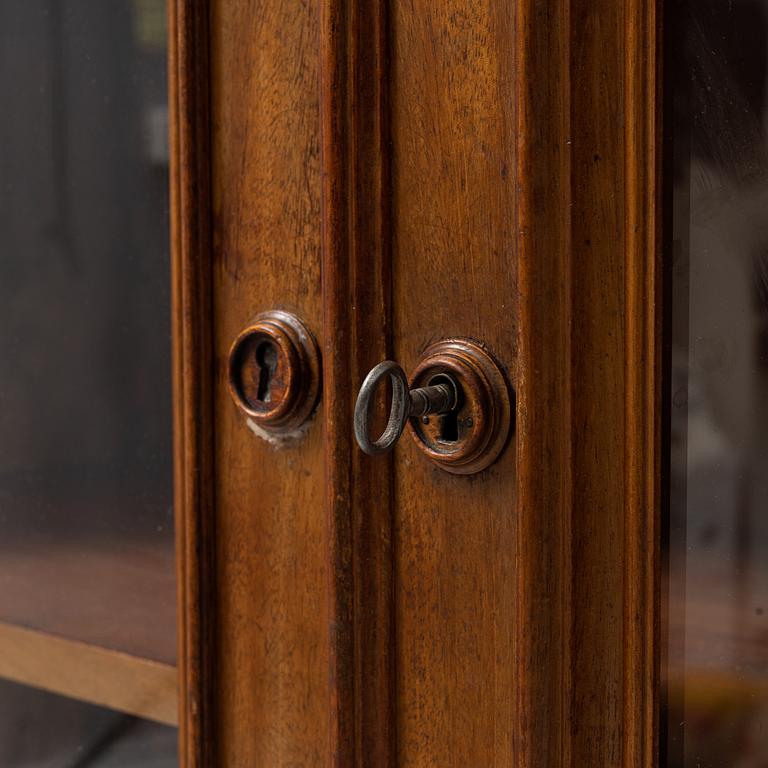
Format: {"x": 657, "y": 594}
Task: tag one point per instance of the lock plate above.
{"x": 274, "y": 371}
{"x": 469, "y": 438}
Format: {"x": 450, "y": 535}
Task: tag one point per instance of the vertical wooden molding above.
{"x": 373, "y": 560}
{"x": 544, "y": 390}
{"x": 356, "y": 296}
{"x": 643, "y": 340}
{"x": 337, "y": 349}
{"x": 589, "y": 383}
{"x": 192, "y": 372}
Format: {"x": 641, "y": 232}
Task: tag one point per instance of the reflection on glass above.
{"x": 86, "y": 527}
{"x": 77, "y": 735}
{"x": 85, "y": 424}
{"x": 717, "y": 650}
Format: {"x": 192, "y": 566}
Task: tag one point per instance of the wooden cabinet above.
{"x": 552, "y": 180}
{"x": 395, "y": 174}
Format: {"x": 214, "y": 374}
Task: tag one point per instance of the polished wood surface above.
{"x": 272, "y": 638}
{"x": 643, "y": 452}
{"x": 597, "y": 382}
{"x": 544, "y": 652}
{"x": 395, "y": 174}
{"x": 189, "y": 117}
{"x": 454, "y": 273}
{"x": 617, "y": 499}
{"x": 354, "y": 130}
{"x": 590, "y": 447}
{"x": 96, "y": 675}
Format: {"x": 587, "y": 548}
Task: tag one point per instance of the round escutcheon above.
{"x": 471, "y": 437}
{"x": 274, "y": 371}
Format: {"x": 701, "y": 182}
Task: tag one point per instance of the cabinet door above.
{"x": 395, "y": 174}
{"x": 87, "y": 575}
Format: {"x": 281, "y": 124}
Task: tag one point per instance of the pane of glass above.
{"x": 86, "y": 533}
{"x": 86, "y": 518}
{"x": 716, "y": 670}
{"x": 78, "y": 735}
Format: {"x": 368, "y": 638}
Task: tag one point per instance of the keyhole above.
{"x": 266, "y": 358}
{"x": 449, "y": 427}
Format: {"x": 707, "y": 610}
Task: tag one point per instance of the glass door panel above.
{"x": 86, "y": 517}
{"x": 717, "y": 650}
{"x": 76, "y": 734}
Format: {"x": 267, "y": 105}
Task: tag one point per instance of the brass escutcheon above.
{"x": 469, "y": 438}
{"x": 274, "y": 371}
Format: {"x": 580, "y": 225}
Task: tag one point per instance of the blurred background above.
{"x": 86, "y": 513}
{"x": 716, "y": 666}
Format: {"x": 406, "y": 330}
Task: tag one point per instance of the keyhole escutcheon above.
{"x": 274, "y": 371}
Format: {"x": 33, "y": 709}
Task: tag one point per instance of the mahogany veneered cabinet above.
{"x": 549, "y": 214}
{"x": 395, "y": 174}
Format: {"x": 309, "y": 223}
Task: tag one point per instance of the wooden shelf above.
{"x": 112, "y": 594}
{"x": 102, "y": 676}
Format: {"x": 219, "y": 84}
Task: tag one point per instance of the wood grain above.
{"x": 101, "y": 676}
{"x": 454, "y": 271}
{"x": 616, "y": 387}
{"x": 356, "y": 294}
{"x": 644, "y": 40}
{"x": 589, "y": 222}
{"x": 192, "y": 322}
{"x": 397, "y": 173}
{"x": 598, "y": 242}
{"x": 337, "y": 167}
{"x": 272, "y": 637}
{"x": 543, "y": 564}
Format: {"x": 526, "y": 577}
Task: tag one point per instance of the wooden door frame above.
{"x": 590, "y": 294}
{"x": 588, "y": 376}
{"x": 192, "y": 327}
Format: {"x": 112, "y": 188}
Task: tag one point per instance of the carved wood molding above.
{"x": 589, "y": 386}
